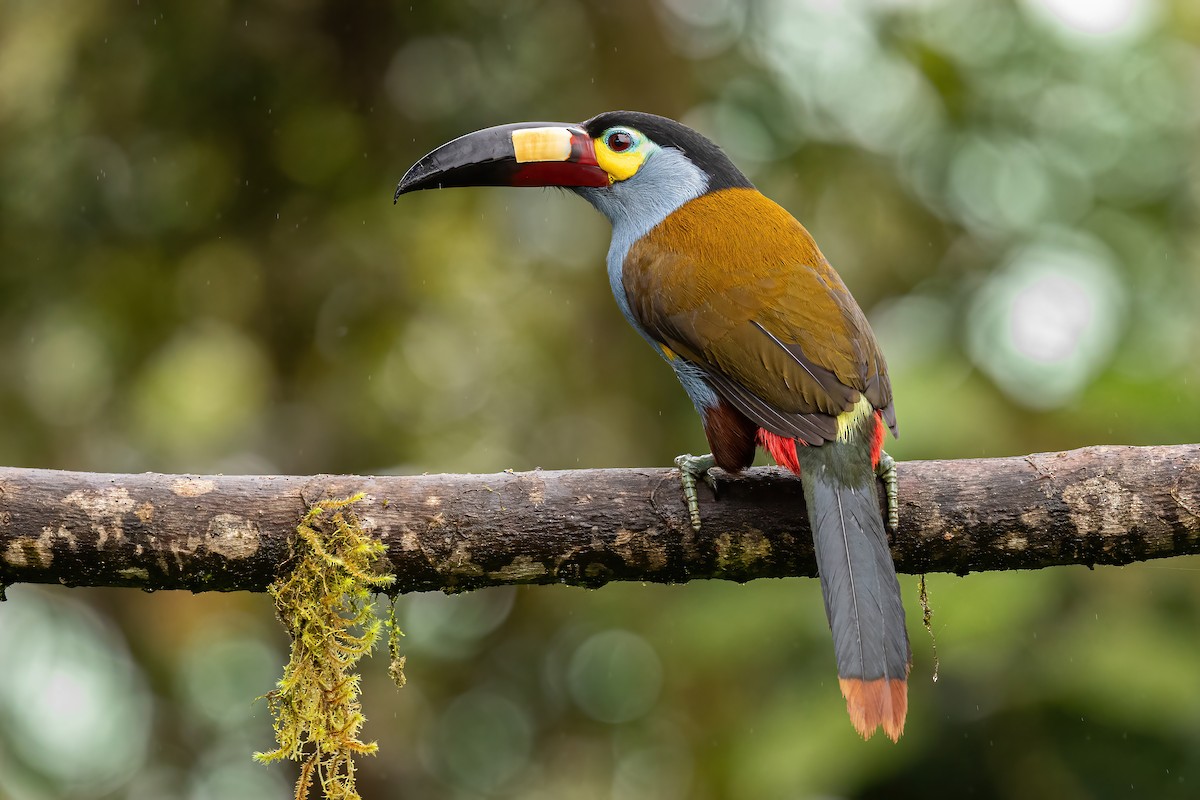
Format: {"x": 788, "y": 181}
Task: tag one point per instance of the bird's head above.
{"x": 629, "y": 165}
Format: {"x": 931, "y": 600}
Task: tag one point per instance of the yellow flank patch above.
{"x": 541, "y": 144}
{"x": 668, "y": 352}
{"x": 619, "y": 166}
{"x": 847, "y": 421}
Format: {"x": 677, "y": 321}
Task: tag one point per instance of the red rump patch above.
{"x": 877, "y": 439}
{"x": 781, "y": 448}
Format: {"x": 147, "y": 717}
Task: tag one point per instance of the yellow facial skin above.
{"x": 554, "y": 144}
{"x": 624, "y": 164}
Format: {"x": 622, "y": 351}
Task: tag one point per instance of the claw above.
{"x": 886, "y": 470}
{"x": 690, "y": 468}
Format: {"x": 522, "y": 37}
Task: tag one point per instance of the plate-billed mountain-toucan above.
{"x": 768, "y": 343}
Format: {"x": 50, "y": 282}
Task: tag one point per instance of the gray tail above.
{"x": 858, "y": 580}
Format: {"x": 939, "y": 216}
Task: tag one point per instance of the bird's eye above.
{"x": 619, "y": 141}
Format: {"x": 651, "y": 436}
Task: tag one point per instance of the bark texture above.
{"x": 1098, "y": 505}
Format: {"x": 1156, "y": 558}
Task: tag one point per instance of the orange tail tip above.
{"x": 878, "y": 703}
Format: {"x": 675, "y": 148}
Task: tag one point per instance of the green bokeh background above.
{"x": 201, "y": 271}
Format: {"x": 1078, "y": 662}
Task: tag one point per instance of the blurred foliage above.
{"x": 200, "y": 270}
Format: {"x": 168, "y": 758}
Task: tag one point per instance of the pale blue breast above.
{"x": 665, "y": 182}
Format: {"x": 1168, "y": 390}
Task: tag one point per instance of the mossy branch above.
{"x": 1098, "y": 505}
{"x": 324, "y": 602}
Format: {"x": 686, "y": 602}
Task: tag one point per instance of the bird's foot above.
{"x": 690, "y": 468}
{"x": 886, "y": 470}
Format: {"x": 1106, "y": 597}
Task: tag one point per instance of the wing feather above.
{"x": 734, "y": 284}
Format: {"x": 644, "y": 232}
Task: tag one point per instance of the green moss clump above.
{"x": 325, "y": 603}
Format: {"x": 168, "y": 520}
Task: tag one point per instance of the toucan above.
{"x": 732, "y": 292}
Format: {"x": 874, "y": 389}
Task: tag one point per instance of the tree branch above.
{"x": 1098, "y": 505}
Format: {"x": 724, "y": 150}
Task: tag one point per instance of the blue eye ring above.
{"x": 619, "y": 140}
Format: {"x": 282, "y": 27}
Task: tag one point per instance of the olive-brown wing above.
{"x": 734, "y": 284}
